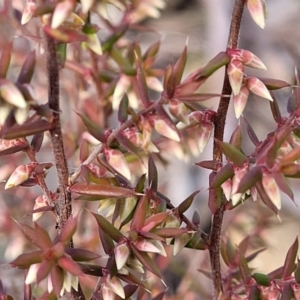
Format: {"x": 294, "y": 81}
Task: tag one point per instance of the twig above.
{"x": 63, "y": 205}
{"x": 216, "y": 228}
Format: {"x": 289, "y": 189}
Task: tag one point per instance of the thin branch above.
{"x": 63, "y": 205}
{"x": 216, "y": 228}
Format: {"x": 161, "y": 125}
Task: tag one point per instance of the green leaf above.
{"x": 92, "y": 128}
{"x": 108, "y": 191}
{"x": 185, "y": 204}
{"x": 261, "y": 279}
{"x": 118, "y": 33}
{"x": 232, "y": 153}
{"x": 222, "y": 175}
{"x": 236, "y": 137}
{"x": 213, "y": 65}
{"x": 108, "y": 228}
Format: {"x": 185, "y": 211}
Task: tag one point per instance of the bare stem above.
{"x": 216, "y": 228}
{"x": 63, "y": 205}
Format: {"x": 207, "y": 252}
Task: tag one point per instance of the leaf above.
{"x": 185, "y": 204}
{"x": 122, "y": 111}
{"x": 275, "y": 110}
{"x": 108, "y": 191}
{"x": 236, "y": 138}
{"x": 196, "y": 97}
{"x": 24, "y": 261}
{"x": 250, "y": 179}
{"x": 244, "y": 269}
{"x": 118, "y": 33}
{"x": 261, "y": 279}
{"x": 289, "y": 263}
{"x": 232, "y": 153}
{"x": 30, "y": 234}
{"x": 169, "y": 232}
{"x": 64, "y": 34}
{"x": 152, "y": 174}
{"x": 27, "y": 69}
{"x": 146, "y": 261}
{"x": 274, "y": 84}
{"x": 11, "y": 94}
{"x": 179, "y": 67}
{"x": 265, "y": 198}
{"x": 108, "y": 228}
{"x": 42, "y": 236}
{"x": 140, "y": 85}
{"x": 5, "y": 59}
{"x": 106, "y": 241}
{"x": 252, "y": 135}
{"x": 139, "y": 216}
{"x": 155, "y": 220}
{"x": 37, "y": 141}
{"x": 92, "y": 128}
{"x": 222, "y": 175}
{"x": 25, "y": 130}
{"x": 215, "y": 195}
{"x": 287, "y": 292}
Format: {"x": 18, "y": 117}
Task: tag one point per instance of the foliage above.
{"x": 116, "y": 166}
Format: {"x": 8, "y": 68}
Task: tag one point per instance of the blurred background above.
{"x": 204, "y": 26}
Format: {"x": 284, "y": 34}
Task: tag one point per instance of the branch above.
{"x": 216, "y": 228}
{"x": 63, "y": 206}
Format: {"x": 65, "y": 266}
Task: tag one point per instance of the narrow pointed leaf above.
{"x": 92, "y": 128}
{"x": 213, "y": 65}
{"x": 27, "y": 70}
{"x": 141, "y": 86}
{"x": 275, "y": 109}
{"x": 222, "y": 175}
{"x": 250, "y": 179}
{"x": 179, "y": 67}
{"x": 236, "y": 138}
{"x": 287, "y": 292}
{"x": 185, "y": 204}
{"x": 261, "y": 279}
{"x": 283, "y": 184}
{"x": 252, "y": 135}
{"x": 265, "y": 198}
{"x": 122, "y": 112}
{"x": 30, "y": 234}
{"x": 139, "y": 217}
{"x": 169, "y": 232}
{"x": 24, "y": 261}
{"x": 274, "y": 84}
{"x": 108, "y": 191}
{"x": 42, "y": 236}
{"x": 196, "y": 97}
{"x": 11, "y": 94}
{"x": 26, "y": 129}
{"x": 289, "y": 264}
{"x": 5, "y": 59}
{"x": 146, "y": 261}
{"x": 108, "y": 228}
{"x": 152, "y": 174}
{"x": 244, "y": 269}
{"x": 106, "y": 241}
{"x": 232, "y": 153}
{"x": 254, "y": 293}
{"x": 215, "y": 195}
